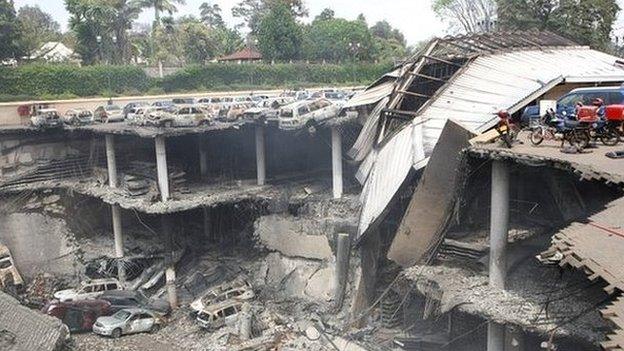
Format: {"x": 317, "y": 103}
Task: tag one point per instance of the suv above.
{"x": 237, "y": 290}
{"x": 566, "y": 104}
{"x": 88, "y": 289}
{"x": 121, "y": 299}
{"x": 46, "y": 118}
{"x": 78, "y": 116}
{"x": 307, "y": 113}
{"x": 219, "y": 315}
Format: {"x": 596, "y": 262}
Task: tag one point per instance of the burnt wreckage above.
{"x": 418, "y": 237}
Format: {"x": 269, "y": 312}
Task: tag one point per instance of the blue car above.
{"x": 566, "y": 103}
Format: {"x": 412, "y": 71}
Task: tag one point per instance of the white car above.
{"x": 267, "y": 109}
{"x": 219, "y": 315}
{"x": 235, "y": 291}
{"x": 78, "y": 116}
{"x": 140, "y": 114}
{"x": 88, "y": 289}
{"x": 127, "y": 321}
{"x": 109, "y": 113}
{"x": 183, "y": 116}
{"x": 307, "y": 113}
{"x": 46, "y": 118}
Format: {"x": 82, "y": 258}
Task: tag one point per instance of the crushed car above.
{"x": 183, "y": 116}
{"x": 46, "y": 118}
{"x": 219, "y": 315}
{"x": 88, "y": 289}
{"x": 307, "y": 113}
{"x": 77, "y": 315}
{"x": 109, "y": 113}
{"x": 237, "y": 290}
{"x": 122, "y": 299}
{"x": 267, "y": 110}
{"x": 78, "y": 116}
{"x": 10, "y": 278}
{"x": 128, "y": 321}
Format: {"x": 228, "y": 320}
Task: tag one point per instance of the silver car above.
{"x": 127, "y": 321}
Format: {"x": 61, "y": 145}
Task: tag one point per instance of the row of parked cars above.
{"x": 295, "y": 108}
{"x": 104, "y": 307}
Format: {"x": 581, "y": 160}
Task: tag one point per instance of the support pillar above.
{"x": 343, "y": 251}
{"x": 111, "y": 162}
{"x": 499, "y": 224}
{"x": 260, "y": 156}
{"x": 170, "y": 275}
{"x": 499, "y": 229}
{"x": 514, "y": 339}
{"x": 161, "y": 166}
{"x": 336, "y": 141}
{"x": 119, "y": 250}
{"x": 203, "y": 157}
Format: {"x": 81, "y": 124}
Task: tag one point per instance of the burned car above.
{"x": 46, "y": 118}
{"x": 77, "y": 315}
{"x": 307, "y": 113}
{"x": 267, "y": 110}
{"x": 237, "y": 290}
{"x": 183, "y": 116}
{"x": 88, "y": 289}
{"x": 219, "y": 315}
{"x": 10, "y": 278}
{"x": 109, "y": 113}
{"x": 128, "y": 321}
{"x": 78, "y": 116}
{"x": 121, "y": 299}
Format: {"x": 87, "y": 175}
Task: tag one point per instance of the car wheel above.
{"x": 104, "y": 119}
{"x": 155, "y": 328}
{"x": 116, "y": 333}
{"x": 168, "y": 124}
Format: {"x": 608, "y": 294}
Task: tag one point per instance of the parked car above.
{"x": 184, "y": 101}
{"x": 120, "y": 299}
{"x": 128, "y": 321}
{"x": 296, "y": 94}
{"x": 237, "y": 290}
{"x": 142, "y": 114}
{"x": 109, "y": 113}
{"x": 165, "y": 105}
{"x": 10, "y": 278}
{"x": 307, "y": 113}
{"x": 88, "y": 289}
{"x": 183, "y": 116}
{"x": 235, "y": 112}
{"x": 566, "y": 104}
{"x": 132, "y": 107}
{"x": 219, "y": 315}
{"x": 267, "y": 109}
{"x": 329, "y": 95}
{"x": 78, "y": 116}
{"x": 77, "y": 315}
{"x": 46, "y": 118}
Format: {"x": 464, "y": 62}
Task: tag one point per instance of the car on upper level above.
{"x": 182, "y": 116}
{"x": 46, "y": 118}
{"x": 566, "y": 105}
{"x": 307, "y": 113}
{"x": 109, "y": 113}
{"x": 165, "y": 105}
{"x": 132, "y": 107}
{"x": 78, "y": 116}
{"x": 267, "y": 110}
{"x": 88, "y": 289}
{"x": 184, "y": 101}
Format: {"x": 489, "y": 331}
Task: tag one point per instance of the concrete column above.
{"x": 203, "y": 156}
{"x": 499, "y": 228}
{"x": 111, "y": 162}
{"x": 260, "y": 155}
{"x": 170, "y": 275}
{"x": 343, "y": 248}
{"x": 208, "y": 235}
{"x": 245, "y": 322}
{"x": 496, "y": 337}
{"x": 514, "y": 339}
{"x": 499, "y": 224}
{"x": 119, "y": 249}
{"x": 161, "y": 166}
{"x": 336, "y": 141}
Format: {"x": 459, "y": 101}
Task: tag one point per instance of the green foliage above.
{"x": 588, "y": 22}
{"x": 214, "y": 76}
{"x": 37, "y": 27}
{"x": 9, "y": 31}
{"x": 41, "y": 80}
{"x": 337, "y": 40}
{"x": 279, "y": 34}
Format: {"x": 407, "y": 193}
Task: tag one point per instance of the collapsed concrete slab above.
{"x": 22, "y": 329}
{"x": 433, "y": 199}
{"x": 289, "y": 236}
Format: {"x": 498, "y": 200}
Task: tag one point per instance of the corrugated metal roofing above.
{"x": 484, "y": 86}
{"x": 371, "y": 95}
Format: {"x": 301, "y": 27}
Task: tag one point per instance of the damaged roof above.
{"x": 23, "y": 329}
{"x": 468, "y": 79}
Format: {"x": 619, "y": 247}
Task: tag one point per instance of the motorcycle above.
{"x": 507, "y": 128}
{"x": 552, "y": 127}
{"x": 592, "y": 118}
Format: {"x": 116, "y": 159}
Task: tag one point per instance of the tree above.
{"x": 199, "y": 41}
{"x": 161, "y": 6}
{"x": 211, "y": 15}
{"x": 326, "y": 14}
{"x": 37, "y": 27}
{"x": 126, "y": 12}
{"x": 588, "y": 22}
{"x": 9, "y": 31}
{"x": 389, "y": 42}
{"x": 338, "y": 40}
{"x": 279, "y": 34}
{"x": 252, "y": 11}
{"x": 89, "y": 21}
{"x": 469, "y": 16}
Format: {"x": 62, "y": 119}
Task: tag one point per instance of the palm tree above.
{"x": 126, "y": 12}
{"x": 161, "y": 6}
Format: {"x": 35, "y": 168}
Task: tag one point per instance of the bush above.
{"x": 41, "y": 81}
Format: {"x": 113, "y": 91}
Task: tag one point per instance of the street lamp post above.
{"x": 99, "y": 44}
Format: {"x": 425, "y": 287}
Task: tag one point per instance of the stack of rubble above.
{"x": 178, "y": 181}
{"x": 47, "y": 202}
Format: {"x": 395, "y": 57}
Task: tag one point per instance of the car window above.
{"x": 183, "y": 111}
{"x": 229, "y": 311}
{"x": 98, "y": 287}
{"x": 134, "y": 318}
{"x": 235, "y": 293}
{"x": 220, "y": 314}
{"x": 87, "y": 289}
{"x": 614, "y": 98}
{"x": 303, "y": 110}
{"x": 324, "y": 103}
{"x": 570, "y": 100}
{"x": 144, "y": 316}
{"x": 111, "y": 286}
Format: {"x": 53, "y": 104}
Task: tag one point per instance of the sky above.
{"x": 413, "y": 17}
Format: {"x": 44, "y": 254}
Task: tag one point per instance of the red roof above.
{"x": 247, "y": 54}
